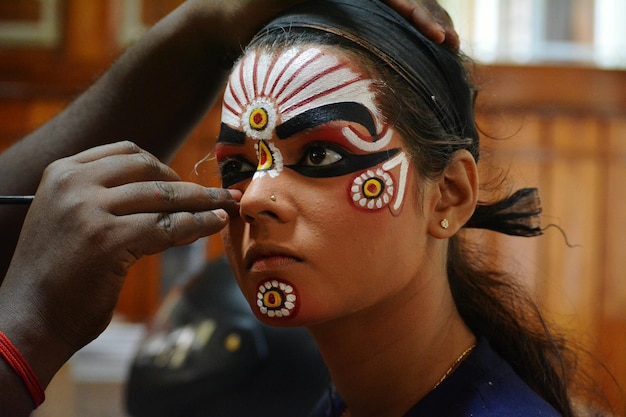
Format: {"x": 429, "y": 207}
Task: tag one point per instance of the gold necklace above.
{"x": 455, "y": 364}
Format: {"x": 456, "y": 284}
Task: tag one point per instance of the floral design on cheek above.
{"x": 372, "y": 189}
{"x": 276, "y": 299}
{"x": 399, "y": 160}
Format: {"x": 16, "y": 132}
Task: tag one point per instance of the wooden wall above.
{"x": 562, "y": 129}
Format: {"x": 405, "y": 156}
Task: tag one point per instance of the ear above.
{"x": 457, "y": 195}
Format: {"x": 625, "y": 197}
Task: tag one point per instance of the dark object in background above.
{"x": 206, "y": 355}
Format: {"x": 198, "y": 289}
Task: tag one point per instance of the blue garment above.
{"x": 484, "y": 385}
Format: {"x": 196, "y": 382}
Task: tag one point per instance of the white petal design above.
{"x": 276, "y": 299}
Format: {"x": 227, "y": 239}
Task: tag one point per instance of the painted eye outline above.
{"x": 337, "y": 153}
{"x": 348, "y": 163}
{"x": 232, "y": 178}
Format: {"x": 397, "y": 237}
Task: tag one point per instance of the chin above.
{"x": 280, "y": 322}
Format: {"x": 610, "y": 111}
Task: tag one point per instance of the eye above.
{"x": 319, "y": 154}
{"x": 234, "y": 170}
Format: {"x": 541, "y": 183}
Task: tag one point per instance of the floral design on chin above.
{"x": 372, "y": 189}
{"x": 276, "y": 299}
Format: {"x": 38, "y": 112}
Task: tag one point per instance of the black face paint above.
{"x": 234, "y": 170}
{"x": 340, "y": 162}
{"x": 230, "y": 135}
{"x": 348, "y": 164}
{"x": 351, "y": 111}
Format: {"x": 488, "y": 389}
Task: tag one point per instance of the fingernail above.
{"x": 221, "y": 213}
{"x": 441, "y": 30}
{"x": 236, "y": 194}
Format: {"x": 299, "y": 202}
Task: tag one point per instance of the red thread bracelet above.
{"x": 15, "y": 359}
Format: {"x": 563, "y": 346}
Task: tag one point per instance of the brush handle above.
{"x": 16, "y": 199}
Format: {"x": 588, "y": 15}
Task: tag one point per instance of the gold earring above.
{"x": 273, "y": 197}
{"x": 445, "y": 223}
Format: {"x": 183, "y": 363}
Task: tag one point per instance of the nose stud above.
{"x": 273, "y": 197}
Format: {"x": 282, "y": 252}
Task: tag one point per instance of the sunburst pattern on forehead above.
{"x": 266, "y": 90}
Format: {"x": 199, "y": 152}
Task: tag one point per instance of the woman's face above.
{"x": 330, "y": 222}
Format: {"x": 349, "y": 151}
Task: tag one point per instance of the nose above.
{"x": 265, "y": 198}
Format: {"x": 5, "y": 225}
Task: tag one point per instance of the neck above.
{"x": 385, "y": 359}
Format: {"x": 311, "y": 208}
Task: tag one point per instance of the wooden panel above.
{"x": 90, "y": 31}
{"x": 20, "y": 10}
{"x": 19, "y": 117}
{"x": 612, "y": 331}
{"x": 576, "y": 155}
{"x": 140, "y": 296}
{"x": 551, "y": 90}
{"x": 615, "y": 222}
{"x": 575, "y": 190}
{"x": 155, "y": 10}
{"x": 610, "y": 368}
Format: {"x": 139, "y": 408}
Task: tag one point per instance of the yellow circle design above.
{"x": 258, "y": 119}
{"x": 372, "y": 188}
{"x": 272, "y": 299}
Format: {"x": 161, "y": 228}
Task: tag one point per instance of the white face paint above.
{"x": 267, "y": 90}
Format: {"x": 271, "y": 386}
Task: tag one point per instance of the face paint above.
{"x": 403, "y": 163}
{"x": 276, "y": 299}
{"x": 372, "y": 189}
{"x": 266, "y": 90}
{"x": 310, "y": 113}
{"x": 270, "y": 159}
{"x": 347, "y": 164}
{"x": 280, "y": 95}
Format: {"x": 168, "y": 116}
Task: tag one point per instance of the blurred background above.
{"x": 552, "y": 110}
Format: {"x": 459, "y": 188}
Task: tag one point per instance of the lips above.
{"x": 260, "y": 259}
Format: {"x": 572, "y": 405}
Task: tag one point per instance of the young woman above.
{"x": 352, "y": 139}
{"x": 113, "y": 203}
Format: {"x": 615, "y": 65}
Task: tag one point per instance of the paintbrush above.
{"x": 16, "y": 199}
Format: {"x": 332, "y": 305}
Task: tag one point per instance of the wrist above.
{"x": 25, "y": 327}
{"x": 12, "y": 356}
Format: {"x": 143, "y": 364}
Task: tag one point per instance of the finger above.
{"x": 452, "y": 39}
{"x": 117, "y": 169}
{"x": 420, "y": 17}
{"x": 150, "y": 233}
{"x": 168, "y": 196}
{"x": 98, "y": 152}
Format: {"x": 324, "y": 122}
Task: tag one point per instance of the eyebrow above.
{"x": 230, "y": 135}
{"x": 348, "y": 111}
